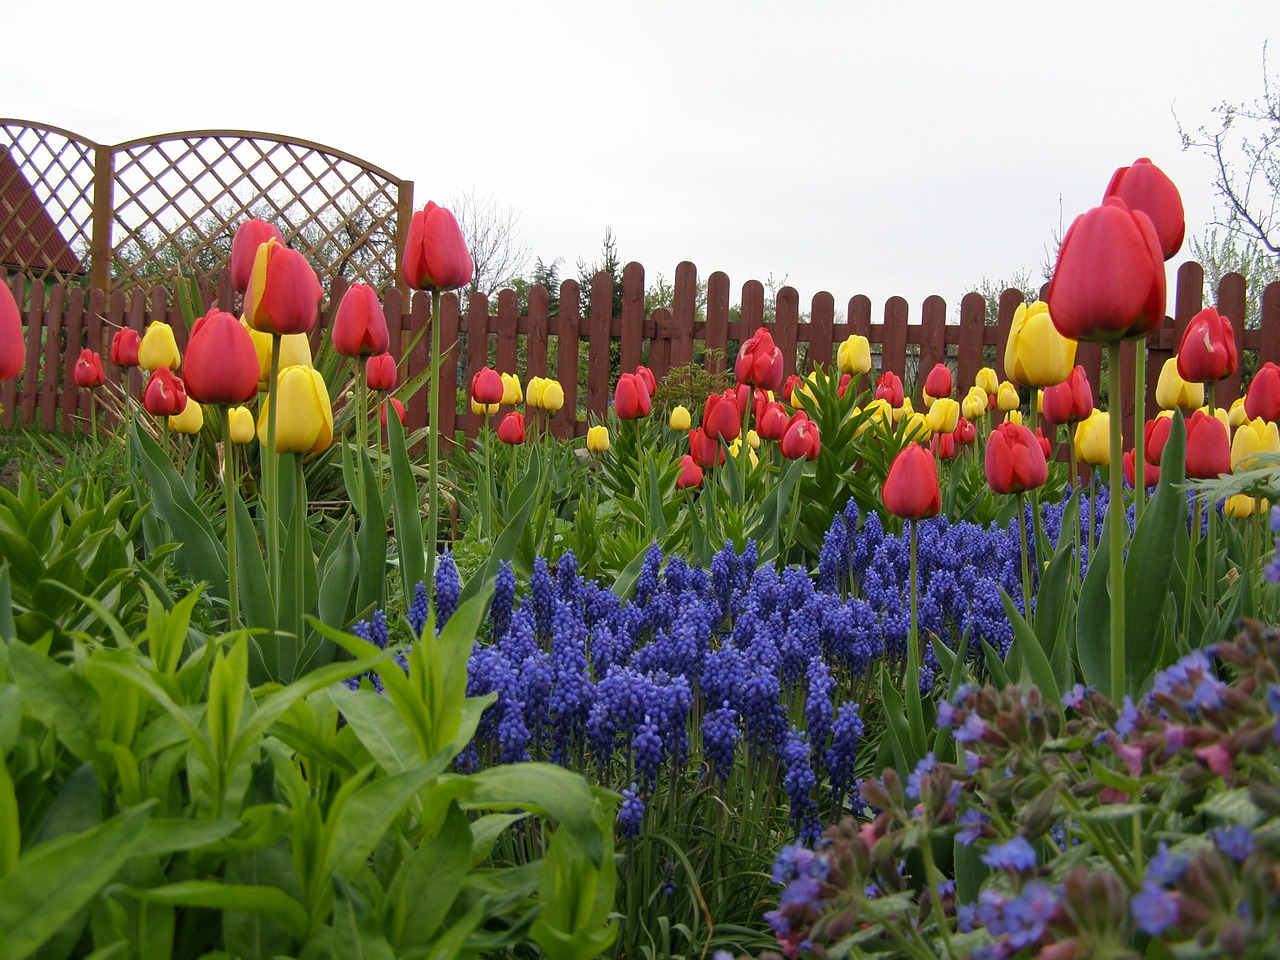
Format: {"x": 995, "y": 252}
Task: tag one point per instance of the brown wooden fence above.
{"x": 60, "y": 321}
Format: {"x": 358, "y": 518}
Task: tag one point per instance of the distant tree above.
{"x": 662, "y": 293}
{"x": 1229, "y": 252}
{"x": 499, "y": 254}
{"x": 545, "y": 275}
{"x": 610, "y": 262}
{"x": 1020, "y": 280}
{"x": 1244, "y": 144}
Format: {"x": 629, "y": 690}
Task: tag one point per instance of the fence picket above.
{"x": 786, "y": 322}
{"x": 717, "y": 329}
{"x": 631, "y": 349}
{"x": 35, "y": 336}
{"x": 822, "y": 314}
{"x": 893, "y": 354}
{"x": 969, "y": 353}
{"x": 55, "y": 360}
{"x": 568, "y": 335}
{"x": 933, "y": 339}
{"x": 1232, "y": 292}
{"x": 598, "y": 344}
{"x": 535, "y": 364}
{"x": 67, "y": 403}
{"x": 683, "y": 314}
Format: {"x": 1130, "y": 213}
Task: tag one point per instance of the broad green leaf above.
{"x": 1037, "y": 663}
{"x": 367, "y": 814}
{"x": 212, "y": 895}
{"x": 430, "y": 879}
{"x": 258, "y": 936}
{"x": 379, "y": 726}
{"x": 7, "y": 634}
{"x": 357, "y": 934}
{"x": 1093, "y": 616}
{"x": 163, "y": 836}
{"x": 59, "y": 697}
{"x": 406, "y": 509}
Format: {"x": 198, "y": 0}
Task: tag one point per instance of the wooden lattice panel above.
{"x": 178, "y": 199}
{"x": 46, "y": 201}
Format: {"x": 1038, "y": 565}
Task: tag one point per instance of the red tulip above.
{"x": 1150, "y": 472}
{"x": 741, "y": 397}
{"x": 1154, "y": 436}
{"x": 13, "y": 351}
{"x": 380, "y": 372}
{"x": 889, "y": 387}
{"x": 487, "y": 386}
{"x": 650, "y": 381}
{"x": 720, "y": 417}
{"x": 801, "y": 439}
{"x": 943, "y": 445}
{"x": 759, "y": 400}
{"x": 166, "y": 395}
{"x": 690, "y": 473}
{"x": 1015, "y": 460}
{"x": 1208, "y": 349}
{"x": 1263, "y": 398}
{"x": 1045, "y": 446}
{"x": 1145, "y": 187}
{"x": 938, "y": 382}
{"x": 250, "y": 235}
{"x": 88, "y": 370}
{"x": 705, "y": 450}
{"x": 511, "y": 429}
{"x": 771, "y": 421}
{"x": 360, "y": 326}
{"x": 631, "y": 398}
{"x": 845, "y": 380}
{"x": 395, "y": 405}
{"x": 793, "y": 385}
{"x": 1208, "y": 447}
{"x": 911, "y": 488}
{"x": 435, "y": 253}
{"x": 1109, "y": 281}
{"x": 283, "y": 295}
{"x": 124, "y": 347}
{"x": 1068, "y": 401}
{"x": 759, "y": 362}
{"x": 965, "y": 432}
{"x": 221, "y": 365}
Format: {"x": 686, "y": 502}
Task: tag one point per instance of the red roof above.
{"x": 29, "y": 239}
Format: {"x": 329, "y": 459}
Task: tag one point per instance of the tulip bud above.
{"x": 124, "y": 347}
{"x": 487, "y": 387}
{"x": 1007, "y": 397}
{"x": 486, "y": 409}
{"x": 1144, "y": 186}
{"x": 1242, "y": 505}
{"x": 1013, "y": 416}
{"x": 1252, "y": 438}
{"x": 987, "y": 381}
{"x": 720, "y": 418}
{"x": 249, "y": 236}
{"x": 631, "y": 398}
{"x": 974, "y": 404}
{"x": 190, "y": 420}
{"x": 1015, "y": 461}
{"x": 889, "y": 387}
{"x": 511, "y": 393}
{"x": 241, "y": 424}
{"x": 937, "y": 383}
{"x": 552, "y": 396}
{"x": 705, "y": 450}
{"x": 1263, "y": 398}
{"x": 598, "y": 438}
{"x": 680, "y": 419}
{"x": 511, "y": 429}
{"x": 772, "y": 421}
{"x": 943, "y": 446}
{"x": 396, "y": 406}
{"x": 690, "y": 473}
{"x": 165, "y": 395}
{"x": 159, "y": 348}
{"x": 304, "y": 417}
{"x": 295, "y": 351}
{"x": 435, "y": 252}
{"x": 283, "y": 295}
{"x": 759, "y": 362}
{"x": 854, "y": 355}
{"x": 1208, "y": 349}
{"x": 1208, "y": 449}
{"x": 1070, "y": 400}
{"x": 1172, "y": 391}
{"x": 944, "y": 414}
{"x": 13, "y": 349}
{"x": 917, "y": 428}
{"x": 965, "y": 432}
{"x": 1150, "y": 471}
{"x": 88, "y": 370}
{"x": 1092, "y": 442}
{"x": 911, "y": 488}
{"x": 650, "y": 381}
{"x": 222, "y": 364}
{"x": 1036, "y": 354}
{"x": 380, "y": 372}
{"x": 801, "y": 439}
{"x": 360, "y": 325}
{"x": 1236, "y": 415}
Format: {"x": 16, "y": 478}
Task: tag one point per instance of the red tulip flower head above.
{"x": 221, "y": 365}
{"x": 965, "y": 432}
{"x": 88, "y": 370}
{"x": 650, "y": 381}
{"x": 759, "y": 362}
{"x": 1208, "y": 447}
{"x": 1015, "y": 460}
{"x": 124, "y": 347}
{"x": 487, "y": 386}
{"x": 1068, "y": 401}
{"x": 165, "y": 395}
{"x": 889, "y": 387}
{"x": 771, "y": 421}
{"x": 1109, "y": 281}
{"x": 845, "y": 380}
{"x": 1263, "y": 398}
{"x": 250, "y": 235}
{"x": 380, "y": 372}
{"x": 938, "y": 382}
{"x": 511, "y": 429}
{"x": 1154, "y": 436}
{"x": 720, "y": 417}
{"x": 13, "y": 351}
{"x": 792, "y": 387}
{"x": 690, "y": 473}
{"x": 1208, "y": 349}
{"x": 1145, "y": 187}
{"x": 911, "y": 489}
{"x": 631, "y": 398}
{"x": 943, "y": 445}
{"x": 360, "y": 326}
{"x": 435, "y": 253}
{"x": 1150, "y": 472}
{"x": 706, "y": 451}
{"x": 395, "y": 405}
{"x": 283, "y": 295}
{"x": 801, "y": 439}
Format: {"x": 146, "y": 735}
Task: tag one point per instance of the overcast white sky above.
{"x": 890, "y": 148}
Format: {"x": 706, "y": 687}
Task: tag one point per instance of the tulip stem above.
{"x": 271, "y": 473}
{"x": 1118, "y": 526}
{"x": 362, "y": 428}
{"x": 1139, "y": 426}
{"x": 228, "y": 478}
{"x": 911, "y": 682}
{"x": 1026, "y": 566}
{"x": 303, "y": 556}
{"x": 744, "y": 456}
{"x": 433, "y": 438}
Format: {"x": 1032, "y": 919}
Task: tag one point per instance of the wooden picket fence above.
{"x": 60, "y": 321}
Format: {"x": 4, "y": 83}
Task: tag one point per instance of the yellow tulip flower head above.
{"x": 304, "y": 417}
{"x": 190, "y": 420}
{"x": 753, "y": 439}
{"x": 944, "y": 414}
{"x": 1242, "y": 505}
{"x": 906, "y": 410}
{"x": 1013, "y": 416}
{"x": 987, "y": 381}
{"x": 241, "y": 424}
{"x": 974, "y": 404}
{"x": 917, "y": 428}
{"x": 878, "y": 412}
{"x": 854, "y": 355}
{"x": 533, "y": 395}
{"x": 1252, "y": 438}
{"x": 1007, "y": 397}
{"x": 159, "y": 348}
{"x": 511, "y": 393}
{"x": 484, "y": 409}
{"x": 552, "y": 396}
{"x": 680, "y": 419}
{"x": 1174, "y": 392}
{"x": 1092, "y": 441}
{"x": 1236, "y": 414}
{"x": 1036, "y": 354}
{"x": 295, "y": 351}
{"x": 598, "y": 438}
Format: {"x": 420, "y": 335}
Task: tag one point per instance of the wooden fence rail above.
{"x": 60, "y": 321}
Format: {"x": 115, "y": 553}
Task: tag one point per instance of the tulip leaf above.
{"x": 898, "y": 735}
{"x": 995, "y": 666}
{"x": 338, "y": 566}
{"x": 357, "y": 932}
{"x": 504, "y": 547}
{"x": 1037, "y": 663}
{"x": 430, "y": 879}
{"x": 405, "y": 507}
{"x": 7, "y": 633}
{"x": 371, "y": 545}
{"x": 63, "y": 700}
{"x": 1093, "y": 616}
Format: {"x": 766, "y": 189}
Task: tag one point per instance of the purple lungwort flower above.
{"x": 1026, "y": 916}
{"x": 1235, "y": 841}
{"x": 971, "y": 823}
{"x": 1015, "y": 854}
{"x": 926, "y": 764}
{"x": 1154, "y": 909}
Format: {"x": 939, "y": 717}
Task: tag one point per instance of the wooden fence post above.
{"x": 565, "y": 423}
{"x": 969, "y": 352}
{"x": 631, "y": 350}
{"x": 822, "y": 316}
{"x": 717, "y": 329}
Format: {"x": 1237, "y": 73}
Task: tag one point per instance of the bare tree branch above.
{"x": 499, "y": 254}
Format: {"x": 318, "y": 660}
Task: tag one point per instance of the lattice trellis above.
{"x": 179, "y": 198}
{"x": 46, "y": 201}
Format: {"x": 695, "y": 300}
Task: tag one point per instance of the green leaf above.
{"x": 60, "y": 698}
{"x": 53, "y": 881}
{"x": 378, "y": 725}
{"x": 1037, "y": 663}
{"x": 994, "y": 665}
{"x": 257, "y": 606}
{"x": 256, "y": 936}
{"x": 430, "y": 879}
{"x": 211, "y": 895}
{"x": 7, "y": 634}
{"x": 163, "y": 836}
{"x": 357, "y": 935}
{"x": 1093, "y": 616}
{"x": 505, "y": 545}
{"x": 367, "y": 815}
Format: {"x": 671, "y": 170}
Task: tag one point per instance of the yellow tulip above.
{"x": 854, "y": 355}
{"x": 533, "y": 395}
{"x": 736, "y": 447}
{"x": 552, "y": 396}
{"x": 511, "y": 393}
{"x": 295, "y": 351}
{"x": 241, "y": 425}
{"x": 906, "y": 410}
{"x": 917, "y": 428}
{"x": 1040, "y": 401}
{"x": 1236, "y": 415}
{"x": 944, "y": 414}
{"x": 878, "y": 412}
{"x": 1253, "y": 437}
{"x": 1243, "y": 505}
{"x": 304, "y": 417}
{"x": 1007, "y": 397}
{"x": 159, "y": 348}
{"x": 1036, "y": 354}
{"x": 1222, "y": 416}
{"x": 1013, "y": 416}
{"x": 1172, "y": 391}
{"x": 486, "y": 409}
{"x": 598, "y": 438}
{"x": 680, "y": 419}
{"x": 753, "y": 438}
{"x": 974, "y": 404}
{"x": 1092, "y": 441}
{"x": 190, "y": 420}
{"x": 987, "y": 381}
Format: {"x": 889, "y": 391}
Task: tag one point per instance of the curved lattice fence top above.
{"x": 153, "y": 208}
